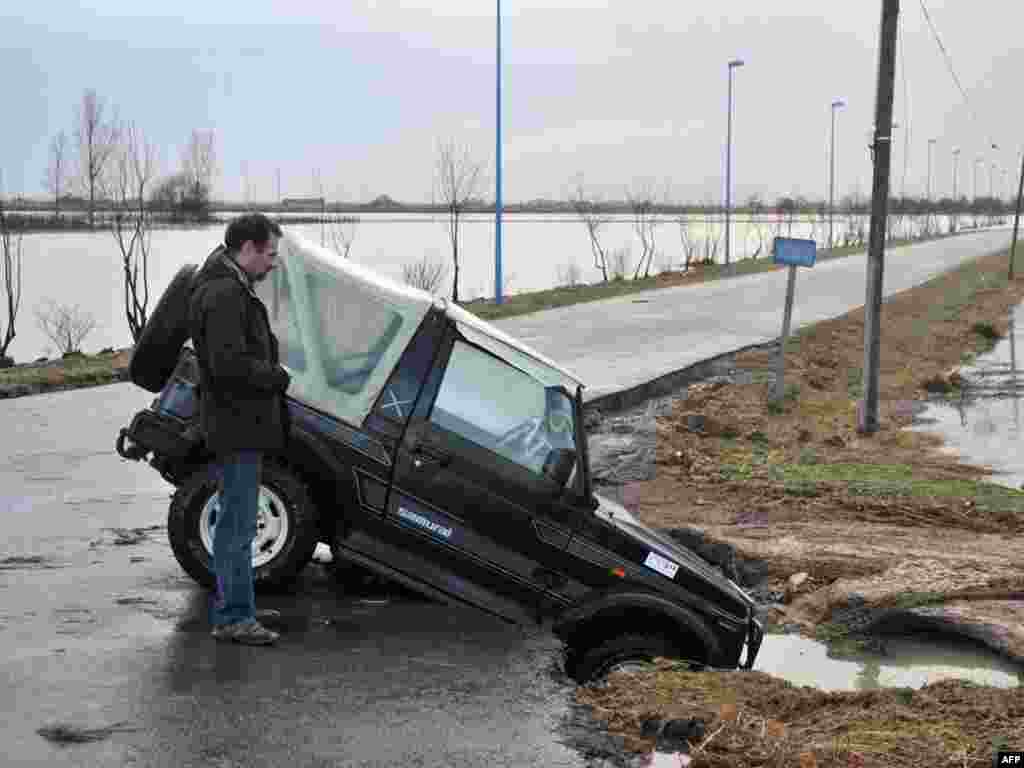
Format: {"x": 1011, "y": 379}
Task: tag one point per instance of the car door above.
{"x": 469, "y": 491}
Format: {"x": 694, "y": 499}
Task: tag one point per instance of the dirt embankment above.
{"x": 887, "y": 530}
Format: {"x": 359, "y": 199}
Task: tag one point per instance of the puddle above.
{"x": 909, "y": 662}
{"x": 984, "y": 426}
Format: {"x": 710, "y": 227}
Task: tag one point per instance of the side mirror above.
{"x": 558, "y": 465}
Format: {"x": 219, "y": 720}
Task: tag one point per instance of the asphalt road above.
{"x": 98, "y": 625}
{"x": 617, "y": 344}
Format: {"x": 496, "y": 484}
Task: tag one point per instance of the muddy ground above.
{"x": 889, "y": 534}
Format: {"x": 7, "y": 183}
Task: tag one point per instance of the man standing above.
{"x": 242, "y": 413}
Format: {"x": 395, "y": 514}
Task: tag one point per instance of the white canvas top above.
{"x": 344, "y": 327}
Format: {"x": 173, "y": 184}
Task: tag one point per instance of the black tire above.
{"x": 166, "y": 331}
{"x": 184, "y": 522}
{"x": 593, "y": 664}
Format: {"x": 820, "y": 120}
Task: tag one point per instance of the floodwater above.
{"x": 983, "y": 427}
{"x": 910, "y": 661}
{"x": 85, "y": 268}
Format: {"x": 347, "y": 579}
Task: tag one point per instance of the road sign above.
{"x": 796, "y": 253}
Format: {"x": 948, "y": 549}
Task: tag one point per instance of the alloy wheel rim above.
{"x": 272, "y": 526}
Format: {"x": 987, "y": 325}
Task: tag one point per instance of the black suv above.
{"x": 436, "y": 451}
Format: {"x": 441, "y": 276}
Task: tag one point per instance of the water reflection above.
{"x": 910, "y": 662}
{"x": 982, "y": 426}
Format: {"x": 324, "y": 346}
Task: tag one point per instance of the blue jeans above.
{"x": 233, "y": 532}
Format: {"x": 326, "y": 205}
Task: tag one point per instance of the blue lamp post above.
{"x": 497, "y": 175}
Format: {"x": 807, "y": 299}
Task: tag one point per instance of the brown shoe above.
{"x": 247, "y": 632}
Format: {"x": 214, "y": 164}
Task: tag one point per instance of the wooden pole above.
{"x": 780, "y": 361}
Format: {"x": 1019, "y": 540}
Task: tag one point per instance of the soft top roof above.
{"x": 418, "y": 301}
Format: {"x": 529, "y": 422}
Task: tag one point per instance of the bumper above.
{"x": 755, "y": 634}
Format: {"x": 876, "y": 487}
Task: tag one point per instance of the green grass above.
{"x": 76, "y": 371}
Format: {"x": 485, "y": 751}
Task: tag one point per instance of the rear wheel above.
{"x": 286, "y": 527}
{"x": 621, "y": 653}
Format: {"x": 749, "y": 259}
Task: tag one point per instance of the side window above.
{"x": 351, "y": 330}
{"x": 501, "y": 408}
{"x": 396, "y": 401}
{"x": 276, "y": 294}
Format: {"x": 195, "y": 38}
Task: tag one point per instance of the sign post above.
{"x": 795, "y": 253}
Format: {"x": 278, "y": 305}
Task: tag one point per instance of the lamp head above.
{"x": 736, "y": 63}
{"x": 838, "y": 104}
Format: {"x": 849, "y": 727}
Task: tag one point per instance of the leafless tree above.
{"x": 10, "y": 273}
{"x": 425, "y": 274}
{"x": 199, "y": 160}
{"x": 713, "y": 231}
{"x": 687, "y": 240}
{"x": 341, "y": 232}
{"x": 56, "y": 180}
{"x": 134, "y": 166}
{"x": 96, "y": 137}
{"x": 569, "y": 275}
{"x": 457, "y": 181}
{"x": 65, "y": 326}
{"x": 642, "y": 202}
{"x": 588, "y": 210}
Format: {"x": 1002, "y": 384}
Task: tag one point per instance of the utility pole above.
{"x": 931, "y": 143}
{"x": 1016, "y": 218}
{"x": 868, "y": 416}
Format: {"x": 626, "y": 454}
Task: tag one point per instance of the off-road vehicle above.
{"x": 433, "y": 449}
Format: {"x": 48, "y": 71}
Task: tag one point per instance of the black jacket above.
{"x": 241, "y": 384}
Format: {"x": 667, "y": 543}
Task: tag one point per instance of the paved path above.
{"x": 617, "y": 344}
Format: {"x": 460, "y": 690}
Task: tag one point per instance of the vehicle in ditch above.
{"x": 435, "y": 450}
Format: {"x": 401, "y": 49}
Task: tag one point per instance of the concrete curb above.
{"x": 668, "y": 383}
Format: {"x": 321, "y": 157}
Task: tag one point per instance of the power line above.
{"x": 945, "y": 53}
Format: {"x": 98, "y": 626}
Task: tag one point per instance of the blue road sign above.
{"x": 798, "y": 253}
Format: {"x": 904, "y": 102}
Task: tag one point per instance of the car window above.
{"x": 276, "y": 294}
{"x": 396, "y": 401}
{"x": 501, "y": 408}
{"x": 352, "y": 331}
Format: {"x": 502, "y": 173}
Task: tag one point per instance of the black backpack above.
{"x": 165, "y": 333}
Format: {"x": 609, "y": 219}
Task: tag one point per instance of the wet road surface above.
{"x": 99, "y": 626}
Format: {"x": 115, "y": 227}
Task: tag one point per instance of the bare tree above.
{"x": 712, "y": 234}
{"x": 588, "y": 210}
{"x": 96, "y": 139}
{"x": 457, "y": 181}
{"x": 341, "y": 232}
{"x": 133, "y": 168}
{"x": 642, "y": 203}
{"x": 10, "y": 273}
{"x": 199, "y": 166}
{"x": 65, "y": 326}
{"x": 425, "y": 274}
{"x": 56, "y": 180}
{"x": 687, "y": 240}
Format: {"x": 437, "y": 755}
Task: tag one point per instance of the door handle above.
{"x": 423, "y": 455}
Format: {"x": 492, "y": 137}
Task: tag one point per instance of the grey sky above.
{"x": 620, "y": 91}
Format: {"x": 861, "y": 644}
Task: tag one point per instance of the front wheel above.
{"x": 622, "y": 653}
{"x": 286, "y": 527}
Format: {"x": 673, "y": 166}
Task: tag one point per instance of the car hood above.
{"x": 620, "y": 517}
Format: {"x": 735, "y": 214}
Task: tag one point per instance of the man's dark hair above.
{"x": 250, "y": 226}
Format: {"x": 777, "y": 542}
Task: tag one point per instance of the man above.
{"x": 242, "y": 413}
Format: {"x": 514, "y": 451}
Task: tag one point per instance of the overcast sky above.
{"x": 625, "y": 92}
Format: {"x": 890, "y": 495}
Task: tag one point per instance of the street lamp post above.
{"x": 977, "y": 162}
{"x": 837, "y": 104}
{"x": 931, "y": 143}
{"x": 728, "y": 169}
{"x": 956, "y": 171}
{"x": 497, "y": 174}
